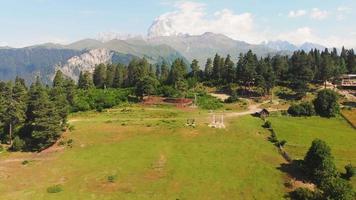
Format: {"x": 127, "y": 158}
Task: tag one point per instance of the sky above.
{"x": 327, "y": 22}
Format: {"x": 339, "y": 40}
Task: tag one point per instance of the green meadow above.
{"x": 137, "y": 152}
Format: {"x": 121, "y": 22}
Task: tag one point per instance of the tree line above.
{"x": 295, "y": 71}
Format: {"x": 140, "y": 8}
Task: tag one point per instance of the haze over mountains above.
{"x": 45, "y": 59}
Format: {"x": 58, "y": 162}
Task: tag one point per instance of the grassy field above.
{"x": 350, "y": 115}
{"x": 149, "y": 153}
{"x": 299, "y": 132}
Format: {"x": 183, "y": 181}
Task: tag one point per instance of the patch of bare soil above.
{"x": 220, "y": 96}
{"x": 157, "y": 170}
{"x": 294, "y": 184}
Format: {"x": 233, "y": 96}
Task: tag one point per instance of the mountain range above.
{"x": 44, "y": 59}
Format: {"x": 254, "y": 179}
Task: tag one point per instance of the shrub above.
{"x": 111, "y": 178}
{"x": 319, "y": 163}
{"x": 1, "y": 148}
{"x": 281, "y": 143}
{"x": 71, "y": 128}
{"x": 337, "y": 188}
{"x": 350, "y": 171}
{"x": 273, "y": 137}
{"x": 25, "y": 162}
{"x": 70, "y": 143}
{"x": 233, "y": 98}
{"x": 303, "y": 109}
{"x": 54, "y": 189}
{"x": 169, "y": 91}
{"x": 209, "y": 102}
{"x": 18, "y": 144}
{"x": 326, "y": 103}
{"x": 304, "y": 194}
{"x": 267, "y": 124}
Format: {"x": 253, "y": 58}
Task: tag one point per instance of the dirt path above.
{"x": 252, "y": 108}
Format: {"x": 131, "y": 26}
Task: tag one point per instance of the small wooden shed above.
{"x": 264, "y": 113}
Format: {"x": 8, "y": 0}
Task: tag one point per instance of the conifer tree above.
{"x": 195, "y": 69}
{"x": 164, "y": 72}
{"x": 216, "y": 67}
{"x": 229, "y": 70}
{"x": 85, "y": 81}
{"x": 119, "y": 76}
{"x": 208, "y": 71}
{"x": 42, "y": 121}
{"x": 110, "y": 73}
{"x": 13, "y": 107}
{"x": 58, "y": 79}
{"x": 99, "y": 76}
{"x": 178, "y": 72}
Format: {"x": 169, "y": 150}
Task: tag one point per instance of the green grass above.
{"x": 299, "y": 132}
{"x": 153, "y": 156}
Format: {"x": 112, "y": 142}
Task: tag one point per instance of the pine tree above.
{"x": 216, "y": 67}
{"x": 70, "y": 90}
{"x": 229, "y": 72}
{"x": 119, "y": 76}
{"x": 327, "y": 67}
{"x": 178, "y": 72}
{"x": 13, "y": 107}
{"x": 59, "y": 98}
{"x": 195, "y": 69}
{"x": 158, "y": 72}
{"x": 110, "y": 73}
{"x": 351, "y": 61}
{"x": 85, "y": 81}
{"x": 248, "y": 70}
{"x": 58, "y": 79}
{"x": 300, "y": 72}
{"x": 42, "y": 120}
{"x": 280, "y": 67}
{"x": 208, "y": 71}
{"x": 137, "y": 69}
{"x": 164, "y": 72}
{"x": 99, "y": 76}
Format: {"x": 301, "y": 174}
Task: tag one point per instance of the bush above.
{"x": 1, "y": 148}
{"x": 267, "y": 124}
{"x": 169, "y": 91}
{"x": 209, "y": 102}
{"x": 25, "y": 162}
{"x": 303, "y": 109}
{"x": 319, "y": 163}
{"x": 99, "y": 99}
{"x": 17, "y": 144}
{"x": 304, "y": 194}
{"x": 350, "y": 171}
{"x": 233, "y": 98}
{"x": 326, "y": 103}
{"x": 273, "y": 137}
{"x": 337, "y": 188}
{"x": 111, "y": 178}
{"x": 54, "y": 189}
{"x": 281, "y": 143}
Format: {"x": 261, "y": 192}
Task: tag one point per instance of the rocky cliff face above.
{"x": 85, "y": 62}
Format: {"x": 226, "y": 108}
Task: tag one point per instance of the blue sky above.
{"x": 329, "y": 22}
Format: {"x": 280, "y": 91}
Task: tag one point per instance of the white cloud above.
{"x": 297, "y": 13}
{"x": 299, "y": 36}
{"x": 111, "y": 35}
{"x": 318, "y": 14}
{"x": 342, "y": 12}
{"x": 2, "y": 44}
{"x": 344, "y": 9}
{"x": 192, "y": 18}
